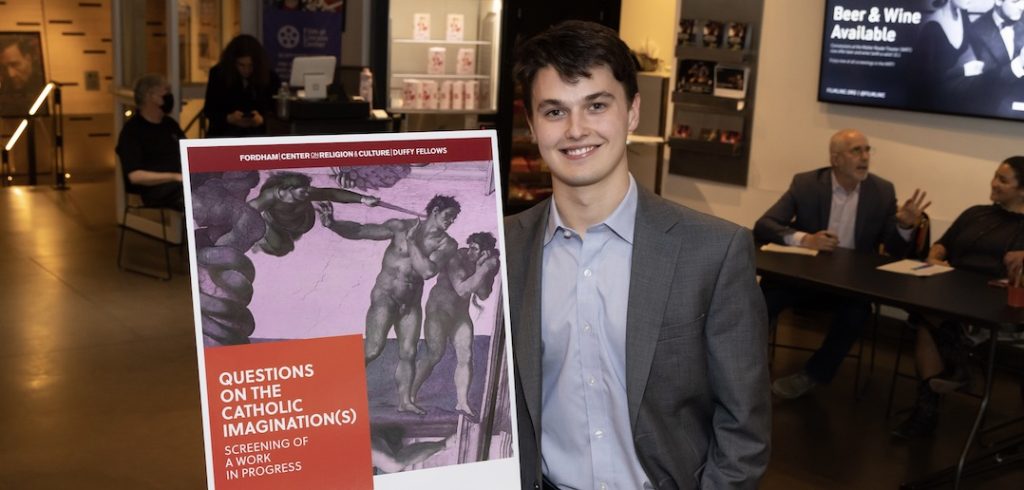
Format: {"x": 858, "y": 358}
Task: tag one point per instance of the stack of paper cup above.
{"x": 456, "y": 27}
{"x": 421, "y": 26}
{"x": 435, "y": 60}
{"x": 444, "y": 95}
{"x": 458, "y": 94}
{"x": 465, "y": 62}
{"x": 469, "y": 99}
{"x": 428, "y": 95}
{"x": 411, "y": 89}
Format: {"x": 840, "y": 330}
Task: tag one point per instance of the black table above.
{"x": 958, "y": 295}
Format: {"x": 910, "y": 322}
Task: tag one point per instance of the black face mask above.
{"x": 168, "y": 104}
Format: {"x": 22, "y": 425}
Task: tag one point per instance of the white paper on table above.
{"x": 786, "y": 249}
{"x": 914, "y": 268}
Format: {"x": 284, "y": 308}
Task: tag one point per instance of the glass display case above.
{"x": 443, "y": 56}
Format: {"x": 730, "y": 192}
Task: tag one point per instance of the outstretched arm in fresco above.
{"x": 269, "y": 195}
{"x": 362, "y": 231}
{"x": 285, "y": 202}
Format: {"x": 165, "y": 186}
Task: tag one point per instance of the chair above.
{"x": 1001, "y": 455}
{"x": 858, "y": 387}
{"x": 162, "y": 224}
{"x": 919, "y": 250}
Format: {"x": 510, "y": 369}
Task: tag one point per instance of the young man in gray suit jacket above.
{"x": 845, "y": 206}
{"x": 638, "y": 329}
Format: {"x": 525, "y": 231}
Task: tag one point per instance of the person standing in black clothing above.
{"x": 148, "y": 146}
{"x": 240, "y": 90}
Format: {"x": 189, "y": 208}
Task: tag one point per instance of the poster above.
{"x": 350, "y": 311}
{"x": 22, "y": 77}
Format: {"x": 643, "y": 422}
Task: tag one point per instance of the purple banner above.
{"x": 289, "y": 33}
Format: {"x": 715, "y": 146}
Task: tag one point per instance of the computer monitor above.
{"x": 312, "y": 65}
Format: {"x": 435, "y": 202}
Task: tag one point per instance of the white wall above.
{"x": 951, "y": 157}
{"x": 647, "y": 22}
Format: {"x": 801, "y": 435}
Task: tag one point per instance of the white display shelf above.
{"x": 424, "y": 75}
{"x": 439, "y": 41}
{"x": 402, "y": 110}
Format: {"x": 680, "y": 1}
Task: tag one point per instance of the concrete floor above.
{"x": 98, "y": 380}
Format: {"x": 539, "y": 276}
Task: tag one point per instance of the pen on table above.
{"x": 919, "y": 267}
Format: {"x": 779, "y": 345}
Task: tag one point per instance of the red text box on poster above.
{"x": 290, "y": 414}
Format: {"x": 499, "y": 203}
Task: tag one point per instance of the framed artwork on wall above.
{"x": 22, "y": 76}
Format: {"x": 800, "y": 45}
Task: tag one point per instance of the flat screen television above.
{"x": 925, "y": 55}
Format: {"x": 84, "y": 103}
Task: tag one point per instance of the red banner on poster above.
{"x": 290, "y": 414}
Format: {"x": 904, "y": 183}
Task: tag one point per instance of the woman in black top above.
{"x": 988, "y": 239}
{"x": 240, "y": 90}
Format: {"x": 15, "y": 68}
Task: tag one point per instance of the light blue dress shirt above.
{"x": 586, "y": 441}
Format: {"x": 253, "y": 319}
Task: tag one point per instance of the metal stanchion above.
{"x": 5, "y": 169}
{"x": 8, "y": 178}
{"x": 29, "y": 123}
{"x": 60, "y": 171}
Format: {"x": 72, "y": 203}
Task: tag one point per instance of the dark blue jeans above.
{"x": 848, "y": 318}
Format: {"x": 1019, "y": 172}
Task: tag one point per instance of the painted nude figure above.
{"x": 417, "y": 251}
{"x": 469, "y": 273}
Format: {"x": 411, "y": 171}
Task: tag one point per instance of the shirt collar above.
{"x": 622, "y": 221}
{"x": 837, "y": 188}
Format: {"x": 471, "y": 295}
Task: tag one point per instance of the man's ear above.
{"x": 529, "y": 123}
{"x": 634, "y": 113}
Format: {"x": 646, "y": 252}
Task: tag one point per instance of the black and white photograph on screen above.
{"x": 961, "y": 57}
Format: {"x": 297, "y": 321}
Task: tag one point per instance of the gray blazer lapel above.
{"x": 653, "y": 265}
{"x": 528, "y": 338}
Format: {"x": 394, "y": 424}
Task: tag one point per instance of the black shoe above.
{"x": 925, "y": 416}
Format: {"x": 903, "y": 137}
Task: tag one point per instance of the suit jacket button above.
{"x": 536, "y": 486}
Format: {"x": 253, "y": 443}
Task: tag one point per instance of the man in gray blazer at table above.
{"x": 638, "y": 329}
{"x": 844, "y": 206}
